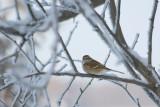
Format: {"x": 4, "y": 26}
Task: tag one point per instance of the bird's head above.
{"x": 86, "y": 58}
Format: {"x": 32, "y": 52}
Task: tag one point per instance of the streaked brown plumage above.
{"x": 92, "y": 66}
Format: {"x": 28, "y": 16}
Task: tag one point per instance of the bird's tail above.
{"x": 114, "y": 71}
{"x": 118, "y": 71}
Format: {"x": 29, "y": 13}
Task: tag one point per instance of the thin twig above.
{"x": 81, "y": 92}
{"x": 64, "y": 91}
{"x": 117, "y": 16}
{"x": 30, "y": 11}
{"x": 126, "y": 90}
{"x": 9, "y": 56}
{"x": 5, "y": 105}
{"x": 6, "y": 86}
{"x": 65, "y": 49}
{"x": 46, "y": 97}
{"x": 135, "y": 41}
{"x": 69, "y": 38}
{"x": 16, "y": 8}
{"x": 150, "y": 33}
{"x": 13, "y": 41}
{"x": 75, "y": 60}
{"x": 107, "y": 57}
{"x": 16, "y": 97}
{"x": 105, "y": 8}
{"x": 27, "y": 98}
{"x": 41, "y": 7}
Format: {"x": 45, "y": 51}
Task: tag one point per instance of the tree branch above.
{"x": 150, "y": 33}
{"x": 105, "y": 77}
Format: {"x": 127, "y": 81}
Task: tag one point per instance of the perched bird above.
{"x": 92, "y": 66}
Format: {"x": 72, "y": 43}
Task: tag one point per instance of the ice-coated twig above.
{"x": 26, "y": 99}
{"x": 69, "y": 38}
{"x": 41, "y": 7}
{"x": 59, "y": 70}
{"x": 135, "y": 41}
{"x": 9, "y": 56}
{"x": 81, "y": 92}
{"x": 107, "y": 57}
{"x": 64, "y": 91}
{"x": 29, "y": 9}
{"x": 25, "y": 94}
{"x": 75, "y": 60}
{"x": 150, "y": 32}
{"x": 6, "y": 86}
{"x": 104, "y": 8}
{"x": 15, "y": 54}
{"x": 16, "y": 9}
{"x": 16, "y": 97}
{"x": 136, "y": 101}
{"x": 117, "y": 16}
{"x": 69, "y": 57}
{"x": 5, "y": 105}
{"x": 34, "y": 98}
{"x": 13, "y": 41}
{"x": 46, "y": 97}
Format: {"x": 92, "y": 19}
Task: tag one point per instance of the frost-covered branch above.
{"x": 13, "y": 41}
{"x": 64, "y": 91}
{"x": 123, "y": 52}
{"x": 16, "y": 97}
{"x": 136, "y": 101}
{"x": 3, "y": 103}
{"x": 150, "y": 32}
{"x": 104, "y": 8}
{"x": 135, "y": 41}
{"x": 81, "y": 92}
{"x": 41, "y": 7}
{"x": 69, "y": 38}
{"x": 105, "y": 77}
{"x": 117, "y": 16}
{"x": 46, "y": 97}
{"x": 69, "y": 57}
{"x": 16, "y": 9}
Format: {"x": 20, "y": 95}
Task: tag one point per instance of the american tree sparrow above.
{"x": 92, "y": 66}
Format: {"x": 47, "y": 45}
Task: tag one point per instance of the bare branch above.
{"x": 104, "y": 8}
{"x": 41, "y": 7}
{"x": 81, "y": 92}
{"x": 135, "y": 41}
{"x": 64, "y": 91}
{"x": 3, "y": 103}
{"x": 6, "y": 86}
{"x": 105, "y": 77}
{"x": 150, "y": 33}
{"x": 117, "y": 17}
{"x": 16, "y": 97}
{"x": 16, "y": 8}
{"x": 20, "y": 50}
{"x": 70, "y": 59}
{"x": 46, "y": 97}
{"x": 136, "y": 101}
{"x": 69, "y": 38}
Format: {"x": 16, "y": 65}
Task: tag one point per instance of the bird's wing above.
{"x": 95, "y": 65}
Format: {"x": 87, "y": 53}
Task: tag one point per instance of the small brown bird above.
{"x": 92, "y": 66}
